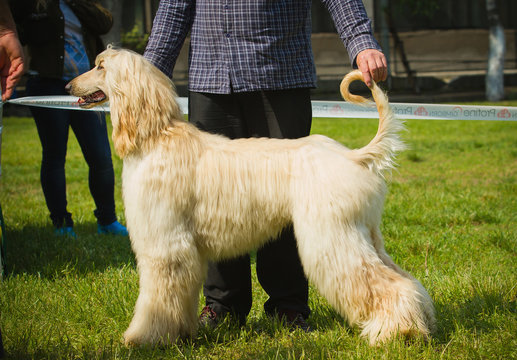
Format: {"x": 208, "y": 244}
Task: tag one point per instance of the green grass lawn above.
{"x": 450, "y": 219}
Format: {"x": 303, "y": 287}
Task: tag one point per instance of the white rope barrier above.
{"x": 329, "y": 109}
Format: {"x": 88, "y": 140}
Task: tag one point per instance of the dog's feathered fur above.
{"x": 191, "y": 196}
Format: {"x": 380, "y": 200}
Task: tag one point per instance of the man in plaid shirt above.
{"x": 251, "y": 69}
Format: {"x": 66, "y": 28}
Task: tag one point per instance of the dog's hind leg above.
{"x": 426, "y": 303}
{"x": 167, "y": 304}
{"x": 343, "y": 264}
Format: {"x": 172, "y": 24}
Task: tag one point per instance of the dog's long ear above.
{"x": 123, "y": 118}
{"x": 142, "y": 101}
{"x": 120, "y": 83}
{"x": 124, "y": 136}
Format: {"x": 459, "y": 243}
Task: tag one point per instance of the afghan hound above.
{"x": 191, "y": 196}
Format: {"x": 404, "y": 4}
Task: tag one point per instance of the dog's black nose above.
{"x": 68, "y": 87}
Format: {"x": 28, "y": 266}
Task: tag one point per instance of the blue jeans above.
{"x": 90, "y": 130}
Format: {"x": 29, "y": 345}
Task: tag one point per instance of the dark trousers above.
{"x": 90, "y": 130}
{"x": 277, "y": 114}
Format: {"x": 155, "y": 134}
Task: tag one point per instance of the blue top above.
{"x": 250, "y": 45}
{"x": 76, "y": 59}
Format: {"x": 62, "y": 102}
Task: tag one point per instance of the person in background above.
{"x": 63, "y": 38}
{"x": 12, "y": 64}
{"x": 251, "y": 69}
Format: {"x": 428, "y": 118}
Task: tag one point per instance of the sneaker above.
{"x": 65, "y": 231}
{"x": 115, "y": 228}
{"x": 208, "y": 318}
{"x": 294, "y": 320}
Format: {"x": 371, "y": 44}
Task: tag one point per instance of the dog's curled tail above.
{"x": 379, "y": 154}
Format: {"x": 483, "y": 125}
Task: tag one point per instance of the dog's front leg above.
{"x": 170, "y": 280}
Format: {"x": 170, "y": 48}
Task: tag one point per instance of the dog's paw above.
{"x": 137, "y": 337}
{"x": 131, "y": 339}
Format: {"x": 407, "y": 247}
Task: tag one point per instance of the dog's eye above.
{"x": 100, "y": 67}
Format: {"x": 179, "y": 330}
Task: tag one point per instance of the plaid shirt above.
{"x": 250, "y": 45}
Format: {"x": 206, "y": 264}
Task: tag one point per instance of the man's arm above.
{"x": 354, "y": 29}
{"x": 11, "y": 52}
{"x": 170, "y": 27}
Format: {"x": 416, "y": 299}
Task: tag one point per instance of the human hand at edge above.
{"x": 372, "y": 63}
{"x": 12, "y": 64}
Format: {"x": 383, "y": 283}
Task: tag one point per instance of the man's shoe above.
{"x": 294, "y": 320}
{"x": 115, "y": 228}
{"x": 66, "y": 231}
{"x": 208, "y": 318}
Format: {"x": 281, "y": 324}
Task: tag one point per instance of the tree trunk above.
{"x": 148, "y": 16}
{"x": 115, "y": 35}
{"x": 496, "y": 42}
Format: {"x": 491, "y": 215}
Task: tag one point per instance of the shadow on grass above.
{"x": 259, "y": 339}
{"x": 37, "y": 250}
{"x": 476, "y": 314}
{"x": 266, "y": 338}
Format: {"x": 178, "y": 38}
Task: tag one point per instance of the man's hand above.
{"x": 11, "y": 62}
{"x": 373, "y": 65}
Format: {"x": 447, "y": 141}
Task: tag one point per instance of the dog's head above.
{"x": 113, "y": 68}
{"x": 91, "y": 87}
{"x": 142, "y": 99}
